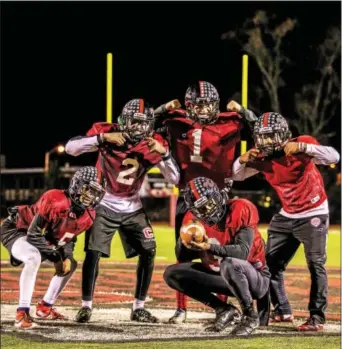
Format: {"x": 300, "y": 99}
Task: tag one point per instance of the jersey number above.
{"x": 67, "y": 235}
{"x": 196, "y": 157}
{"x": 121, "y": 177}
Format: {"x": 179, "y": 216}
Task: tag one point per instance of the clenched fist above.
{"x": 234, "y": 106}
{"x": 251, "y": 155}
{"x": 115, "y": 138}
{"x": 291, "y": 148}
{"x": 174, "y": 104}
{"x": 156, "y": 146}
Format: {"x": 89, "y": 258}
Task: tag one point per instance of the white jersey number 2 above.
{"x": 196, "y": 157}
{"x": 122, "y": 177}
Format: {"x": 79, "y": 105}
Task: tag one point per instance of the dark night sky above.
{"x": 53, "y": 60}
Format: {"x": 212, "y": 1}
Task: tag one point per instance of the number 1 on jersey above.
{"x": 196, "y": 157}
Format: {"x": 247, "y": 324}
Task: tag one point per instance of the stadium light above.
{"x": 332, "y": 165}
{"x": 59, "y": 149}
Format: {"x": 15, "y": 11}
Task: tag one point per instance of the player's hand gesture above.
{"x": 251, "y": 155}
{"x": 115, "y": 138}
{"x": 156, "y": 146}
{"x": 291, "y": 148}
{"x": 234, "y": 106}
{"x": 203, "y": 246}
{"x": 174, "y": 104}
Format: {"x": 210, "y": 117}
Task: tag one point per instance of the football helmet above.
{"x": 137, "y": 119}
{"x": 202, "y": 102}
{"x": 205, "y": 200}
{"x": 85, "y": 188}
{"x": 270, "y": 133}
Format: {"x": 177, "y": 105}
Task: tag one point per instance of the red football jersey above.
{"x": 241, "y": 213}
{"x": 125, "y": 167}
{"x": 62, "y": 225}
{"x": 204, "y": 150}
{"x": 295, "y": 178}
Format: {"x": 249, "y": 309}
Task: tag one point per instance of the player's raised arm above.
{"x": 167, "y": 166}
{"x": 322, "y": 155}
{"x": 174, "y": 104}
{"x": 98, "y": 135}
{"x": 240, "y": 169}
{"x": 245, "y": 113}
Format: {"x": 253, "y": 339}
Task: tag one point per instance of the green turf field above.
{"x": 165, "y": 247}
{"x": 312, "y": 342}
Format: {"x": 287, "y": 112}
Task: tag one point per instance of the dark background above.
{"x": 53, "y": 61}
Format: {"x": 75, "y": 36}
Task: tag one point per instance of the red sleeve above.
{"x": 242, "y": 214}
{"x": 101, "y": 127}
{"x": 45, "y": 205}
{"x": 308, "y": 140}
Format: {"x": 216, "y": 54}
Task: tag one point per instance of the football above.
{"x": 192, "y": 231}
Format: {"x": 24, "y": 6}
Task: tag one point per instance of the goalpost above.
{"x": 109, "y": 117}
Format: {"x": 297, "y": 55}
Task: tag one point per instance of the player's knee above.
{"x": 73, "y": 265}
{"x": 170, "y": 275}
{"x": 148, "y": 254}
{"x": 275, "y": 265}
{"x": 34, "y": 259}
{"x": 316, "y": 261}
{"x": 228, "y": 268}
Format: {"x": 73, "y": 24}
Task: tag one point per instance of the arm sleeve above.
{"x": 184, "y": 254}
{"x": 35, "y": 236}
{"x": 79, "y": 145}
{"x": 240, "y": 249}
{"x": 322, "y": 155}
{"x": 169, "y": 168}
{"x": 241, "y": 171}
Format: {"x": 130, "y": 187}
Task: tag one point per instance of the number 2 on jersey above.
{"x": 196, "y": 157}
{"x": 121, "y": 177}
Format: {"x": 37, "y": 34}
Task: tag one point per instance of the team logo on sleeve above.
{"x": 315, "y": 222}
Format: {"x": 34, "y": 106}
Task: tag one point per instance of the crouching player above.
{"x": 232, "y": 256}
{"x": 47, "y": 230}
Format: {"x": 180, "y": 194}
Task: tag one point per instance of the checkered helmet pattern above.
{"x": 202, "y": 93}
{"x": 204, "y": 189}
{"x": 271, "y": 124}
{"x": 87, "y": 175}
{"x": 137, "y": 109}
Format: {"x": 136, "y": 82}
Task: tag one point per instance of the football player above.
{"x": 47, "y": 230}
{"x": 126, "y": 152}
{"x": 203, "y": 142}
{"x": 232, "y": 256}
{"x": 289, "y": 166}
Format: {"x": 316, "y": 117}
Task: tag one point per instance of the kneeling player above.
{"x": 47, "y": 230}
{"x": 232, "y": 254}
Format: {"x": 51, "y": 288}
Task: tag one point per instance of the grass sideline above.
{"x": 166, "y": 241}
{"x": 295, "y": 342}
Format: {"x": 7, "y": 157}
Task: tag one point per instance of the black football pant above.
{"x": 284, "y": 237}
{"x": 137, "y": 239}
{"x": 237, "y": 278}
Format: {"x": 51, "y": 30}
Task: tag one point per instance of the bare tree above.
{"x": 263, "y": 43}
{"x": 316, "y": 103}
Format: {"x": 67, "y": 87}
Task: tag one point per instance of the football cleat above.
{"x": 178, "y": 317}
{"x": 312, "y": 324}
{"x": 278, "y": 318}
{"x": 23, "y": 320}
{"x": 246, "y": 326}
{"x": 143, "y": 315}
{"x": 83, "y": 315}
{"x": 230, "y": 316}
{"x": 48, "y": 313}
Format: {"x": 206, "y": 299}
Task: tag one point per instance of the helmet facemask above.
{"x": 209, "y": 208}
{"x": 139, "y": 126}
{"x": 85, "y": 192}
{"x": 272, "y": 138}
{"x": 202, "y": 111}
